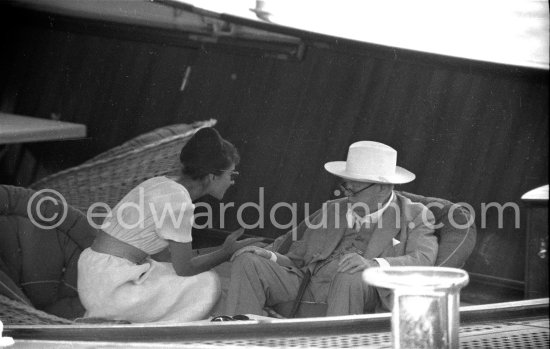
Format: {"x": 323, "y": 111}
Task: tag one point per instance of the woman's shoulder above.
{"x": 160, "y": 182}
{"x": 163, "y": 186}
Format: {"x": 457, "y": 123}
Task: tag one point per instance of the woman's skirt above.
{"x": 115, "y": 288}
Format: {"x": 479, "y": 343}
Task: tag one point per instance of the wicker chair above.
{"x": 18, "y": 313}
{"x": 109, "y": 176}
{"x": 105, "y": 178}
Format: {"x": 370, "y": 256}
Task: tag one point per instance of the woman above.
{"x": 117, "y": 278}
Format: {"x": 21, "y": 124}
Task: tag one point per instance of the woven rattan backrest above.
{"x": 17, "y": 313}
{"x": 108, "y": 179}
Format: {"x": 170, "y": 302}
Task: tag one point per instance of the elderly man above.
{"x": 373, "y": 226}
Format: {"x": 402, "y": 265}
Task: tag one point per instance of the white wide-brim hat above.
{"x": 370, "y": 162}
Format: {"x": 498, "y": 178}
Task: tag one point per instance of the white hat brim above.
{"x": 401, "y": 176}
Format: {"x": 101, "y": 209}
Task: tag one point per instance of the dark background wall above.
{"x": 471, "y": 132}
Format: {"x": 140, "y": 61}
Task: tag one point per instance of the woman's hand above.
{"x": 230, "y": 245}
{"x": 353, "y": 262}
{"x": 252, "y": 249}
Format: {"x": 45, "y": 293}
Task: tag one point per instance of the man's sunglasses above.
{"x": 230, "y": 318}
{"x": 344, "y": 187}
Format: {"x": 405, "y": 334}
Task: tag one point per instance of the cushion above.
{"x": 9, "y": 289}
{"x": 40, "y": 261}
{"x": 455, "y": 230}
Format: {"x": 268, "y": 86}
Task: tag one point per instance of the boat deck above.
{"x": 522, "y": 324}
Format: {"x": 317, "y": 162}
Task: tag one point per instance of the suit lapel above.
{"x": 385, "y": 230}
{"x": 336, "y": 229}
{"x": 324, "y": 240}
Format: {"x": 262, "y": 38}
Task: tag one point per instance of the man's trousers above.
{"x": 257, "y": 282}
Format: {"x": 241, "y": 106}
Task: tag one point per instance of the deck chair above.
{"x": 455, "y": 246}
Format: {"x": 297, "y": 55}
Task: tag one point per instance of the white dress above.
{"x": 157, "y": 210}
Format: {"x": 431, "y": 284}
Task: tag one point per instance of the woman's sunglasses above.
{"x": 230, "y": 318}
{"x": 232, "y": 174}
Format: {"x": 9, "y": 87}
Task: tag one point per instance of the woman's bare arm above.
{"x": 162, "y": 256}
{"x": 186, "y": 263}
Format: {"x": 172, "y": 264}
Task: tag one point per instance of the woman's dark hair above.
{"x": 207, "y": 152}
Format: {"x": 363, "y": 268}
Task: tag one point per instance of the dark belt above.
{"x": 105, "y": 243}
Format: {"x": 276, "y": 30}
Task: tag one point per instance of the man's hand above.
{"x": 230, "y": 245}
{"x": 252, "y": 249}
{"x": 353, "y": 262}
